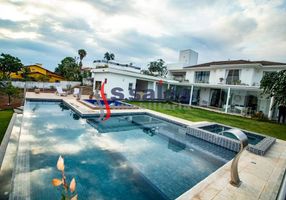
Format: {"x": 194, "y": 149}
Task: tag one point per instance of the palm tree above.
{"x": 82, "y": 53}
{"x": 109, "y": 56}
{"x": 106, "y": 56}
{"x": 112, "y": 56}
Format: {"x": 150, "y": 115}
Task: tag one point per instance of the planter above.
{"x": 37, "y": 91}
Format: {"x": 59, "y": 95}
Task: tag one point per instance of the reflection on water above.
{"x": 126, "y": 157}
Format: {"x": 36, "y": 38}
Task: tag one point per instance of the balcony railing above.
{"x": 115, "y": 63}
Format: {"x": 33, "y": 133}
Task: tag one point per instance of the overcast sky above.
{"x": 140, "y": 31}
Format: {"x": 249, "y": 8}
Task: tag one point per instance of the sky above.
{"x": 140, "y": 31}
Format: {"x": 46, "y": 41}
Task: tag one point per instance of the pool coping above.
{"x": 6, "y": 138}
{"x": 92, "y": 106}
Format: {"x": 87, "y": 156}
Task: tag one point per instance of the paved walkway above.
{"x": 261, "y": 177}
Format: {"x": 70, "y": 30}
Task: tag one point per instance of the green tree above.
{"x": 274, "y": 85}
{"x": 82, "y": 53}
{"x": 43, "y": 78}
{"x": 109, "y": 56}
{"x": 9, "y": 64}
{"x": 157, "y": 68}
{"x": 8, "y": 89}
{"x": 25, "y": 74}
{"x": 69, "y": 69}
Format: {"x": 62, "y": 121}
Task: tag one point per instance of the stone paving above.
{"x": 261, "y": 175}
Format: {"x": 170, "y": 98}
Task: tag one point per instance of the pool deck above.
{"x": 261, "y": 175}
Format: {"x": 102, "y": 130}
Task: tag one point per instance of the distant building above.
{"x": 36, "y": 72}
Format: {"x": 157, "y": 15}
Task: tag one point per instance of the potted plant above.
{"x": 36, "y": 90}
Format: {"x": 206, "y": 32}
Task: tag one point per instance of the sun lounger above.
{"x": 60, "y": 92}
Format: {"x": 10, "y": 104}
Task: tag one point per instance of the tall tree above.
{"x": 157, "y": 67}
{"x": 274, "y": 85}
{"x": 9, "y": 64}
{"x": 109, "y": 56}
{"x": 82, "y": 53}
{"x": 69, "y": 69}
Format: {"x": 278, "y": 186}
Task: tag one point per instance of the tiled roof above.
{"x": 232, "y": 62}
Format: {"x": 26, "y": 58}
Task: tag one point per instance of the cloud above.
{"x": 141, "y": 31}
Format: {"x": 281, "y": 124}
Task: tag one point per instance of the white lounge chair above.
{"x": 60, "y": 92}
{"x": 75, "y": 92}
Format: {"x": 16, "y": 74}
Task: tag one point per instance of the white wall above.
{"x": 45, "y": 85}
{"x": 115, "y": 80}
{"x": 246, "y": 76}
{"x": 188, "y": 57}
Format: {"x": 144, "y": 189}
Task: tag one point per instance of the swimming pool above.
{"x": 136, "y": 156}
{"x": 219, "y": 129}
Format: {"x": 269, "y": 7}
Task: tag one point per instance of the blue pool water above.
{"x": 217, "y": 128}
{"x": 126, "y": 157}
{"x": 110, "y": 102}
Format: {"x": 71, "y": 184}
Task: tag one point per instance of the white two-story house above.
{"x": 231, "y": 86}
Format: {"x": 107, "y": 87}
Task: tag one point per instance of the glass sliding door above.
{"x": 218, "y": 98}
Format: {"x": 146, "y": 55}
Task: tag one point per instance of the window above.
{"x": 232, "y": 77}
{"x": 130, "y": 86}
{"x": 202, "y": 77}
{"x": 268, "y": 72}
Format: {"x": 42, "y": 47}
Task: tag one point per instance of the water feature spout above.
{"x": 235, "y": 181}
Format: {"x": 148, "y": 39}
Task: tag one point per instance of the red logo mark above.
{"x": 105, "y": 102}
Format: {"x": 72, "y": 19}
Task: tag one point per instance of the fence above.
{"x": 45, "y": 85}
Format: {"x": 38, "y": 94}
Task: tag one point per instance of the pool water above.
{"x": 126, "y": 157}
{"x": 217, "y": 128}
{"x": 110, "y": 102}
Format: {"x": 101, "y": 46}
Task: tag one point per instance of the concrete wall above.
{"x": 46, "y": 85}
{"x": 115, "y": 80}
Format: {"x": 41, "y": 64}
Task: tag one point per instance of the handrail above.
{"x": 235, "y": 181}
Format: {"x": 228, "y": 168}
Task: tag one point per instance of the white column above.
{"x": 227, "y": 100}
{"x": 191, "y": 95}
{"x": 93, "y": 87}
{"x": 154, "y": 89}
{"x": 270, "y": 112}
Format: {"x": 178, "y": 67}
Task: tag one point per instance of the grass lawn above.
{"x": 5, "y": 116}
{"x": 196, "y": 114}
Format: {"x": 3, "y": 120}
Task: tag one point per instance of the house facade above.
{"x": 37, "y": 72}
{"x": 228, "y": 86}
{"x": 127, "y": 81}
{"x": 231, "y": 86}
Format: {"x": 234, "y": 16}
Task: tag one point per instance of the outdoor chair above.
{"x": 75, "y": 92}
{"x": 60, "y": 92}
